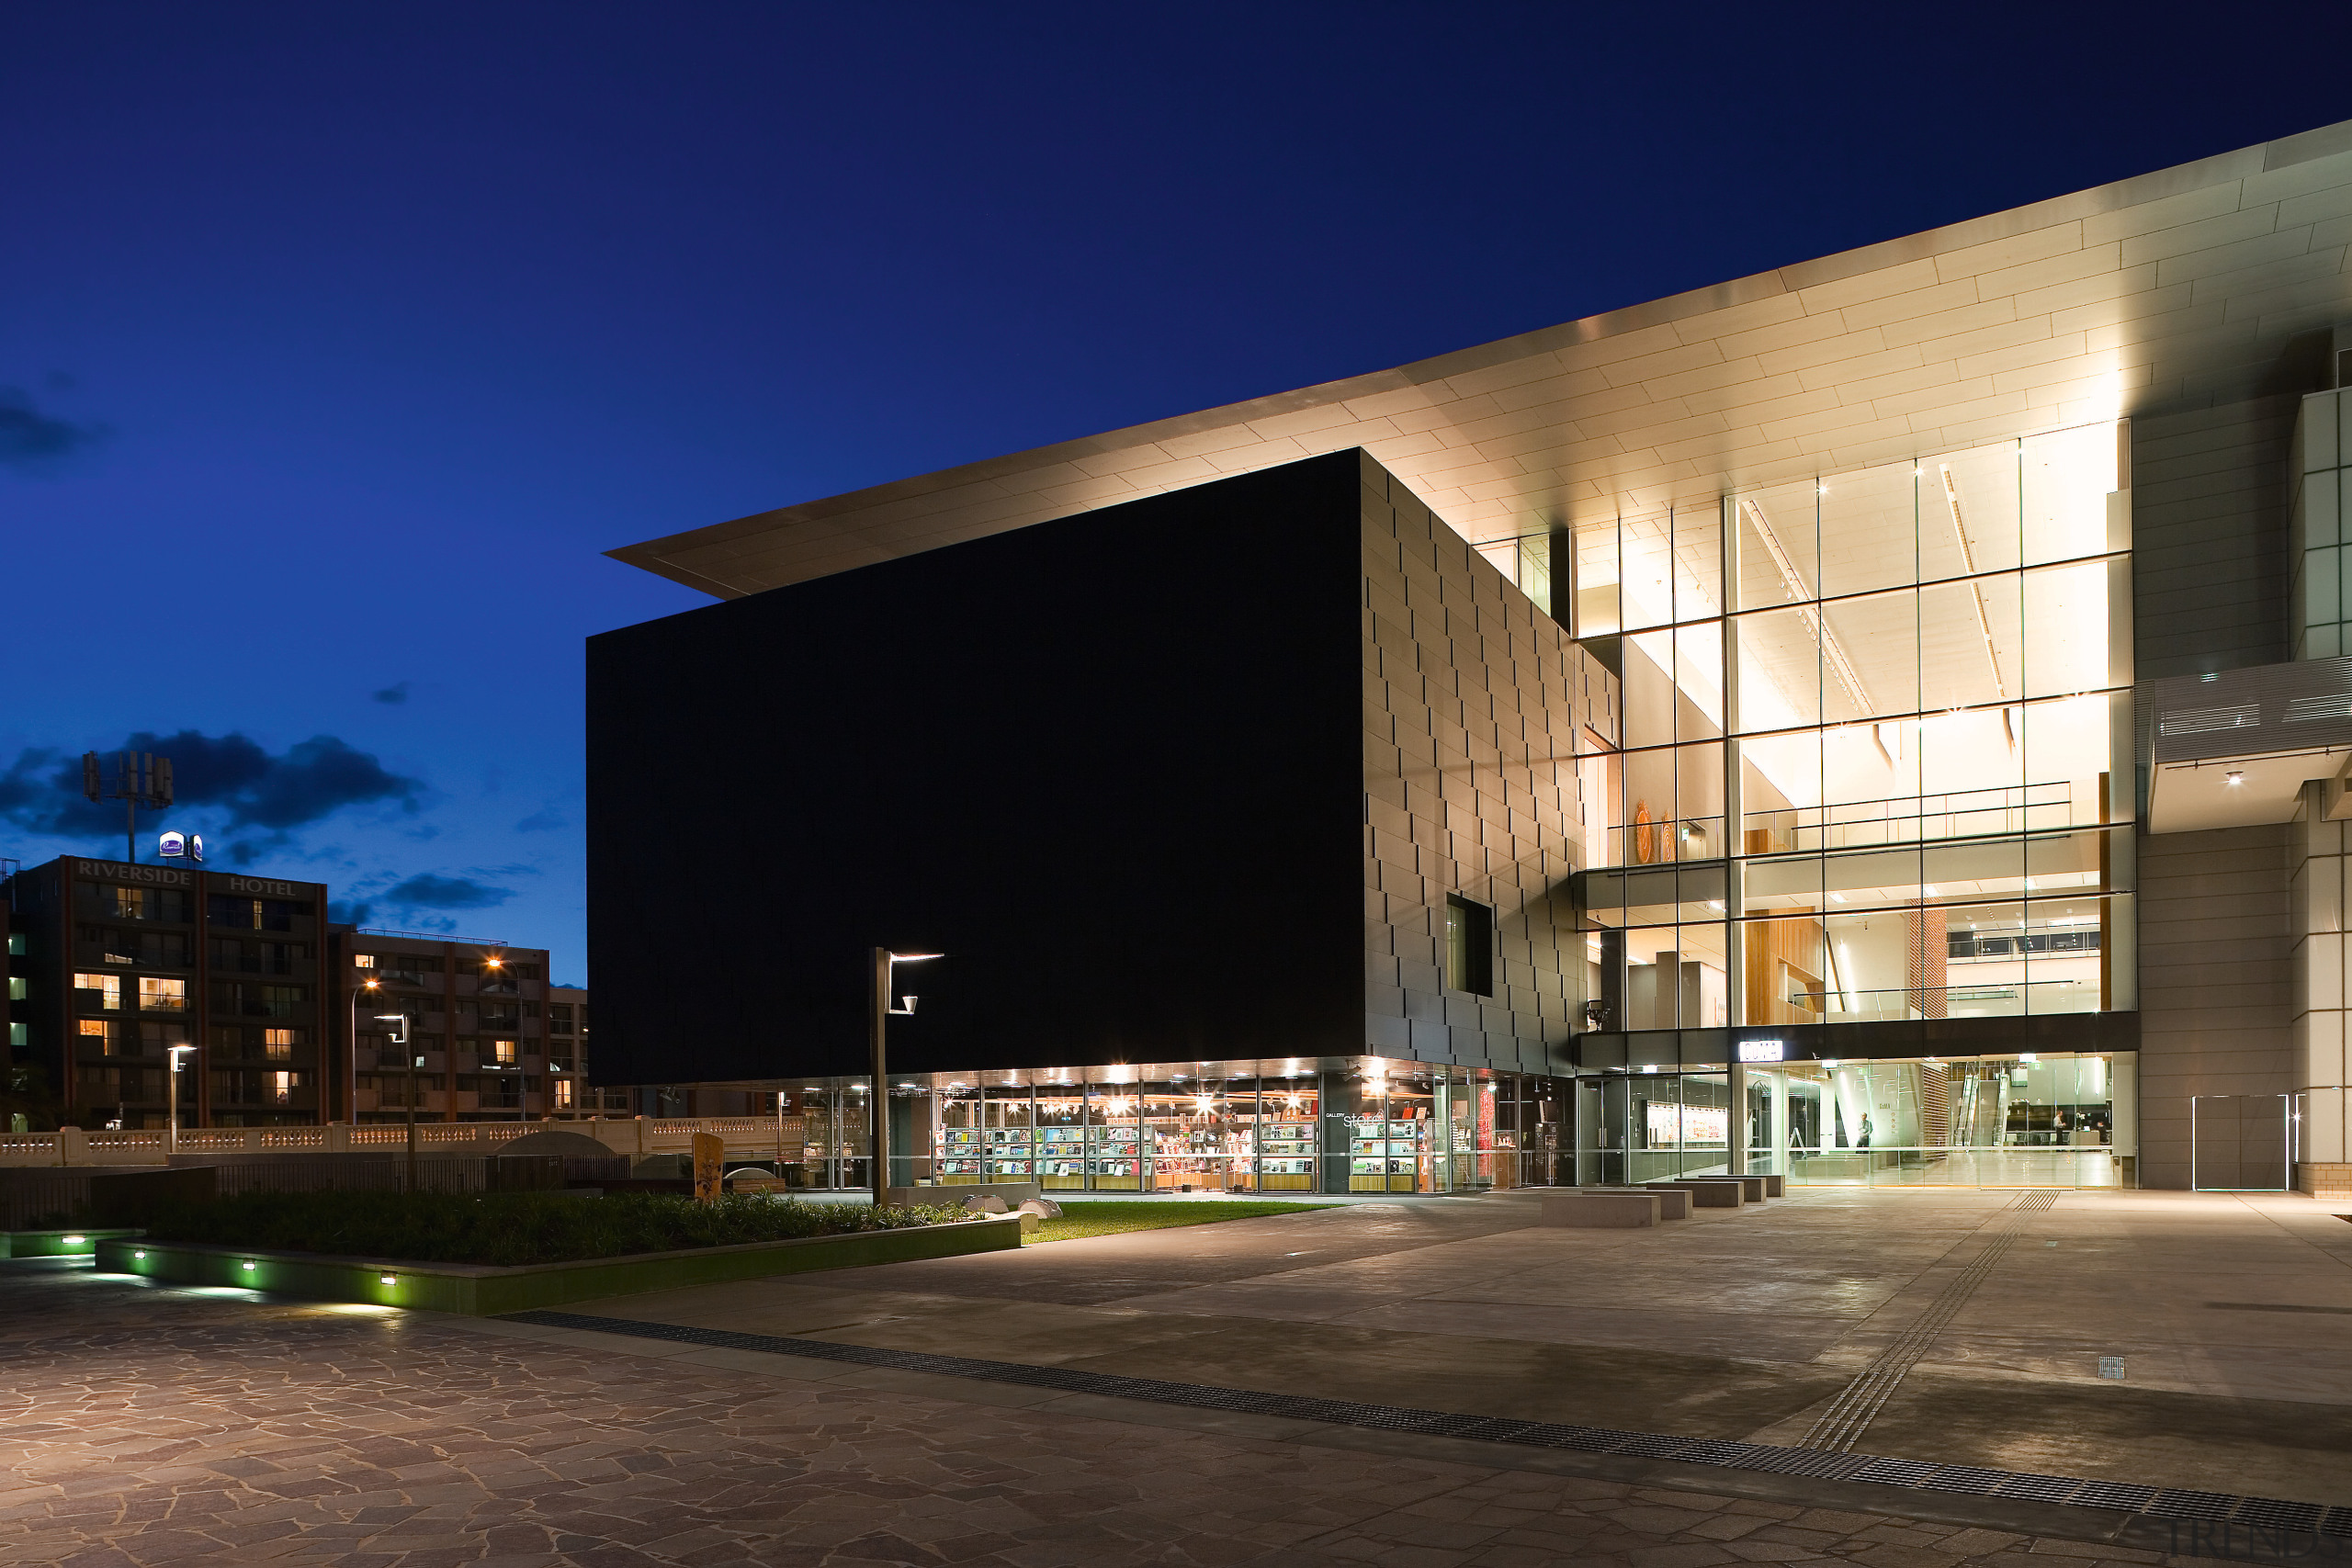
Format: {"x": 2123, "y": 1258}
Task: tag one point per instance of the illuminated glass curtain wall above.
{"x": 1874, "y": 757}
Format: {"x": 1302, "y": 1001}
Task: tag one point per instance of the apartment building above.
{"x": 123, "y": 976}
{"x": 477, "y": 1020}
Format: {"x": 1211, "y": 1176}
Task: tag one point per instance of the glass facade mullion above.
{"x": 1881, "y": 705}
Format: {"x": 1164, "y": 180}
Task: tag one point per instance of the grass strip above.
{"x": 1101, "y": 1217}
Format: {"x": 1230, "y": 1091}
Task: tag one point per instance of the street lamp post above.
{"x": 878, "y": 1011}
{"x": 351, "y": 1080}
{"x": 400, "y": 1038}
{"x": 172, "y": 1078}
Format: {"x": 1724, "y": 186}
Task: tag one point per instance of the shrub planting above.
{"x": 514, "y": 1227}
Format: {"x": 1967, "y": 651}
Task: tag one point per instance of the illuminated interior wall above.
{"x": 1874, "y": 754}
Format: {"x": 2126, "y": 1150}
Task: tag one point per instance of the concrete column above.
{"x": 1780, "y": 1092}
{"x": 1735, "y": 1124}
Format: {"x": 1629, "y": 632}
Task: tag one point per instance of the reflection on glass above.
{"x": 2012, "y": 1121}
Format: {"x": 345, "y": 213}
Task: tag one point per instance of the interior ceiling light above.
{"x": 2235, "y": 776}
{"x": 1833, "y": 653}
{"x": 1975, "y": 590}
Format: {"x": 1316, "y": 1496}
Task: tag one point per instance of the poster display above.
{"x": 1687, "y": 1126}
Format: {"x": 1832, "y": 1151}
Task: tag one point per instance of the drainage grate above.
{"x": 1896, "y": 1472}
{"x": 2040, "y": 1488}
{"x": 1821, "y": 1463}
{"x": 2278, "y": 1514}
{"x": 2175, "y": 1502}
{"x": 2111, "y": 1367}
{"x": 1731, "y": 1455}
{"x": 1652, "y": 1445}
{"x": 1584, "y": 1440}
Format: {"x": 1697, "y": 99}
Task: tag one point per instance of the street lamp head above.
{"x": 915, "y": 957}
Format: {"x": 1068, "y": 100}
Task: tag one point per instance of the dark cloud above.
{"x": 394, "y": 694}
{"x": 233, "y": 774}
{"x": 546, "y": 819}
{"x": 426, "y": 891}
{"x": 31, "y": 439}
{"x": 349, "y": 911}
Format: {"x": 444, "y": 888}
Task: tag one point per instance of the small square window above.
{"x": 1469, "y": 946}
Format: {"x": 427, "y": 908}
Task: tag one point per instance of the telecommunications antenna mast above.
{"x": 136, "y": 779}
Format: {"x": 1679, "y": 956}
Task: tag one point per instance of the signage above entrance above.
{"x": 1761, "y": 1050}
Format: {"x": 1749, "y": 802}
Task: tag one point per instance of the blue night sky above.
{"x": 336, "y": 342}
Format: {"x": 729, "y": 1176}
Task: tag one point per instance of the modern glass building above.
{"x": 1864, "y": 773}
{"x": 1885, "y": 720}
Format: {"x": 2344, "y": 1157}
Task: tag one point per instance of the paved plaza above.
{"x": 150, "y": 1426}
{"x": 2226, "y": 1315}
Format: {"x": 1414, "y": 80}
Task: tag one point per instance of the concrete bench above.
{"x": 1582, "y": 1208}
{"x": 953, "y": 1194}
{"x": 1776, "y": 1186}
{"x": 1673, "y": 1202}
{"x": 1705, "y": 1193}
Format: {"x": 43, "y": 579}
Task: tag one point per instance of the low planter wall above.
{"x": 76, "y": 1243}
{"x": 483, "y": 1291}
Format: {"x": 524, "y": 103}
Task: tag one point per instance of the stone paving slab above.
{"x": 146, "y": 1426}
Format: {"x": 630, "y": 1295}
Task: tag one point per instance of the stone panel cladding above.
{"x": 2317, "y": 898}
{"x": 1474, "y": 700}
{"x": 2217, "y": 982}
{"x": 2208, "y": 537}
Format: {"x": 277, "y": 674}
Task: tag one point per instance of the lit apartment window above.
{"x": 157, "y": 993}
{"x": 281, "y": 1087}
{"x": 99, "y": 1030}
{"x": 109, "y": 986}
{"x": 128, "y": 903}
{"x": 278, "y": 1044}
{"x": 502, "y": 1052}
{"x": 1469, "y": 946}
{"x": 363, "y": 961}
{"x": 16, "y": 988}
{"x": 563, "y": 1094}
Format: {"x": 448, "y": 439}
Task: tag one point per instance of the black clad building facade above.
{"x": 1244, "y": 815}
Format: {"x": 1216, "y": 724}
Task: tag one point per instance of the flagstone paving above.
{"x": 145, "y": 1426}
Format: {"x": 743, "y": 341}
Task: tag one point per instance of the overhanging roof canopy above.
{"x": 2195, "y": 286}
